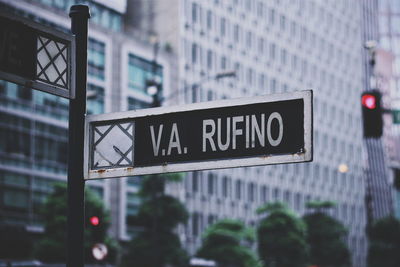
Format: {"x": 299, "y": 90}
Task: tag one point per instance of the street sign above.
{"x": 230, "y": 133}
{"x": 35, "y": 56}
{"x": 396, "y": 116}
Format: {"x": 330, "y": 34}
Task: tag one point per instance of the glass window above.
{"x": 194, "y": 12}
{"x": 134, "y": 103}
{"x": 209, "y": 59}
{"x": 272, "y": 52}
{"x": 293, "y": 29}
{"x": 236, "y": 33}
{"x": 274, "y": 85}
{"x": 248, "y": 5}
{"x": 15, "y": 179}
{"x": 250, "y": 74}
{"x": 264, "y": 194}
{"x": 225, "y": 186}
{"x": 132, "y": 203}
{"x": 24, "y": 93}
{"x": 283, "y": 56}
{"x": 283, "y": 23}
{"x": 210, "y": 95}
{"x": 96, "y": 100}
{"x": 16, "y": 142}
{"x": 211, "y": 184}
{"x": 286, "y": 197}
{"x": 271, "y": 16}
{"x": 249, "y": 37}
{"x": 195, "y": 224}
{"x": 251, "y": 196}
{"x": 223, "y": 63}
{"x": 276, "y": 194}
{"x": 238, "y": 189}
{"x": 194, "y": 53}
{"x": 140, "y": 71}
{"x": 260, "y": 9}
{"x": 195, "y": 181}
{"x": 116, "y": 22}
{"x": 59, "y": 4}
{"x": 16, "y": 198}
{"x": 209, "y": 19}
{"x": 261, "y": 45}
{"x": 223, "y": 26}
{"x": 96, "y": 58}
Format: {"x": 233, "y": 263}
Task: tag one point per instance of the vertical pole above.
{"x": 77, "y": 108}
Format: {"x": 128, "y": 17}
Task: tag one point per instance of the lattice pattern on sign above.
{"x": 113, "y": 145}
{"x": 52, "y": 62}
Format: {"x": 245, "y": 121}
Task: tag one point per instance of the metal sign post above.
{"x": 36, "y": 56}
{"x": 244, "y": 132}
{"x": 77, "y": 108}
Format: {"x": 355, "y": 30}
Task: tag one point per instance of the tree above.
{"x": 227, "y": 242}
{"x": 326, "y": 237}
{"x": 52, "y": 247}
{"x": 157, "y": 244}
{"x": 384, "y": 243}
{"x": 281, "y": 237}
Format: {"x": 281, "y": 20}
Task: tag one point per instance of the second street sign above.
{"x": 261, "y": 130}
{"x": 36, "y": 56}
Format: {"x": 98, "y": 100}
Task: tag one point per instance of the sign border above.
{"x": 38, "y": 85}
{"x": 306, "y": 95}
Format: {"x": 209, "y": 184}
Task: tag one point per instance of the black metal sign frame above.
{"x": 45, "y": 56}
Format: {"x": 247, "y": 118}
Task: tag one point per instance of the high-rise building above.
{"x": 274, "y": 46}
{"x": 378, "y": 198}
{"x": 34, "y": 125}
{"x": 389, "y": 17}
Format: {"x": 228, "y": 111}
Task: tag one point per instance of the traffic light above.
{"x": 95, "y": 229}
{"x": 372, "y": 113}
{"x": 94, "y": 220}
{"x": 153, "y": 88}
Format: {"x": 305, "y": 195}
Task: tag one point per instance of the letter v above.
{"x": 156, "y": 145}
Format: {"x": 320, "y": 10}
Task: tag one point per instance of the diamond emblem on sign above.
{"x": 113, "y": 145}
{"x": 52, "y": 62}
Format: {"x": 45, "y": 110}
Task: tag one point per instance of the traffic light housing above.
{"x": 372, "y": 113}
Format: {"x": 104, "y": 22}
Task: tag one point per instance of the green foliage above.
{"x": 384, "y": 243}
{"x": 224, "y": 242}
{"x": 15, "y": 242}
{"x": 52, "y": 247}
{"x": 326, "y": 239}
{"x": 319, "y": 205}
{"x": 281, "y": 237}
{"x": 156, "y": 244}
{"x": 271, "y": 207}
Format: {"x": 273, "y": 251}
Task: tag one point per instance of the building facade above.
{"x": 378, "y": 198}
{"x": 274, "y": 46}
{"x": 34, "y": 125}
{"x": 389, "y": 17}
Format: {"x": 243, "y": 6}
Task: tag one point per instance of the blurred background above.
{"x": 339, "y": 210}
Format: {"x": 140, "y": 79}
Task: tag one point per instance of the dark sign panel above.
{"x": 263, "y": 129}
{"x": 247, "y": 132}
{"x": 17, "y": 48}
{"x": 36, "y": 56}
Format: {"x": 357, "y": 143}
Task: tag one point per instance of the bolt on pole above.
{"x": 77, "y": 108}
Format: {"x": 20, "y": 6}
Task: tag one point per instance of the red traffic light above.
{"x": 372, "y": 113}
{"x": 368, "y": 101}
{"x": 94, "y": 220}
